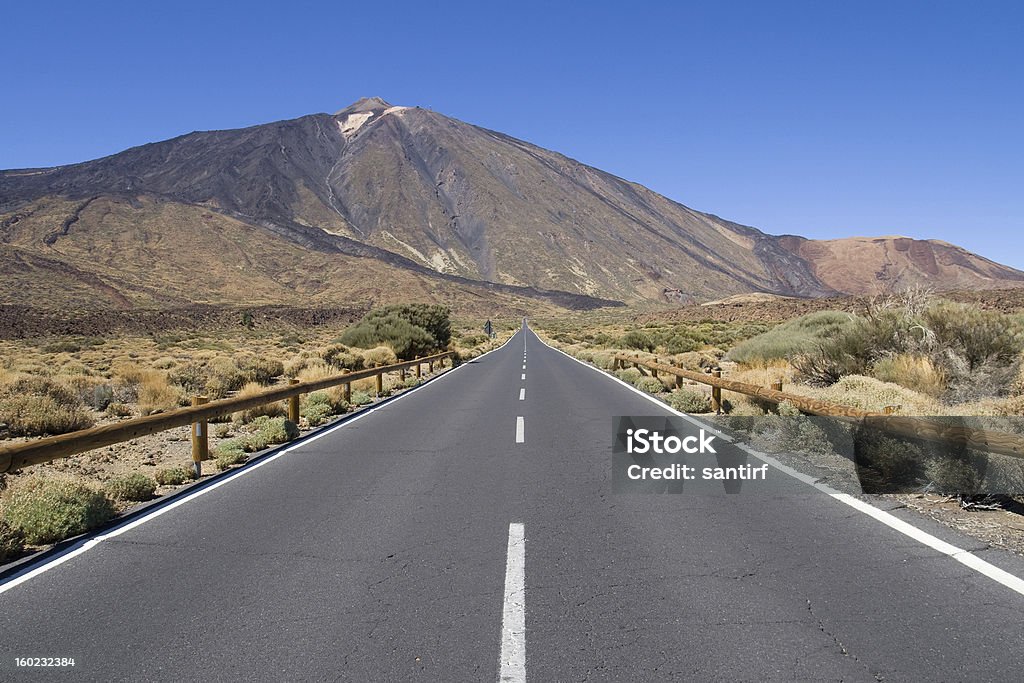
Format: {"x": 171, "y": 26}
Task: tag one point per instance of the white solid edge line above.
{"x": 522, "y": 393}
{"x": 964, "y": 557}
{"x": 512, "y": 663}
{"x": 520, "y": 430}
{"x": 91, "y": 543}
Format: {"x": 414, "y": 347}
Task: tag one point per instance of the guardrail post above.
{"x": 401, "y": 374}
{"x": 380, "y": 383}
{"x": 419, "y": 368}
{"x": 679, "y": 382}
{"x": 200, "y": 439}
{"x": 777, "y": 386}
{"x": 716, "y": 393}
{"x": 293, "y": 404}
{"x": 347, "y": 391}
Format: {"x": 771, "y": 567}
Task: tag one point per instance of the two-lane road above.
{"x": 467, "y": 531}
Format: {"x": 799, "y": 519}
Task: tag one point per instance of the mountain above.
{"x": 378, "y": 202}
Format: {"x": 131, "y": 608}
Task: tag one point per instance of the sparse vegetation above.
{"x": 12, "y": 541}
{"x": 689, "y": 401}
{"x": 131, "y": 487}
{"x": 36, "y": 406}
{"x": 172, "y": 476}
{"x": 50, "y": 510}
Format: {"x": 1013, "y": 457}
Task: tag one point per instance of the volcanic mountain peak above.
{"x": 365, "y": 104}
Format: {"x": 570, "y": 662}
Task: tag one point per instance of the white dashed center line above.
{"x": 512, "y": 665}
{"x": 522, "y": 394}
{"x": 520, "y": 430}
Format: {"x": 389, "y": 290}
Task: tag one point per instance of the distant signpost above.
{"x": 489, "y": 329}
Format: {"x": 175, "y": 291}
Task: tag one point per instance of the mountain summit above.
{"x": 379, "y": 202}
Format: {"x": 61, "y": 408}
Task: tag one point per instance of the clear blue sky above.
{"x": 824, "y": 119}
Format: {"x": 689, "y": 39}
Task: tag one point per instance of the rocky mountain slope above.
{"x": 378, "y": 202}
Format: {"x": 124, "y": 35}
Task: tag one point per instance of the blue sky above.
{"x": 825, "y": 119}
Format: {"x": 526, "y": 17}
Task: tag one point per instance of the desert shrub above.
{"x": 378, "y": 356}
{"x": 318, "y": 406}
{"x": 191, "y": 377}
{"x": 223, "y": 431}
{"x": 409, "y": 329}
{"x": 637, "y": 340}
{"x": 652, "y": 385}
{"x": 868, "y": 393}
{"x": 885, "y": 463}
{"x": 342, "y": 357}
{"x": 631, "y": 375}
{"x": 800, "y": 335}
{"x": 222, "y": 377}
{"x": 33, "y": 406}
{"x": 118, "y": 410}
{"x": 156, "y": 394}
{"x": 261, "y": 370}
{"x": 407, "y": 340}
{"x": 274, "y": 409}
{"x": 12, "y": 541}
{"x": 689, "y": 401}
{"x": 360, "y": 398}
{"x": 978, "y": 336}
{"x": 133, "y": 487}
{"x": 172, "y": 476}
{"x": 226, "y": 459}
{"x": 102, "y": 396}
{"x": 62, "y": 346}
{"x": 914, "y": 372}
{"x": 164, "y": 363}
{"x": 50, "y": 510}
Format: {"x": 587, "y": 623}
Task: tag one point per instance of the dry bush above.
{"x": 316, "y": 370}
{"x": 342, "y": 357}
{"x": 34, "y": 406}
{"x": 222, "y": 377}
{"x": 379, "y": 356}
{"x": 911, "y": 371}
{"x": 870, "y": 394}
{"x": 260, "y": 369}
{"x": 156, "y": 394}
{"x": 275, "y": 409}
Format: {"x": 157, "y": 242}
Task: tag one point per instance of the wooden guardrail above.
{"x": 16, "y": 456}
{"x": 1003, "y": 443}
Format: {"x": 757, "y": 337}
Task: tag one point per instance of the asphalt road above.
{"x": 442, "y": 538}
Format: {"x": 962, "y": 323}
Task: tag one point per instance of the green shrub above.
{"x": 34, "y": 406}
{"x": 228, "y": 455}
{"x": 885, "y": 463}
{"x": 50, "y": 510}
{"x": 133, "y": 487}
{"x": 631, "y": 375}
{"x": 652, "y": 385}
{"x": 190, "y": 377}
{"x": 317, "y": 414}
{"x": 410, "y": 329}
{"x": 341, "y": 357}
{"x": 406, "y": 339}
{"x": 261, "y": 370}
{"x": 12, "y": 541}
{"x": 637, "y": 340}
{"x": 361, "y": 398}
{"x": 689, "y": 401}
{"x": 797, "y": 336}
{"x": 172, "y": 476}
